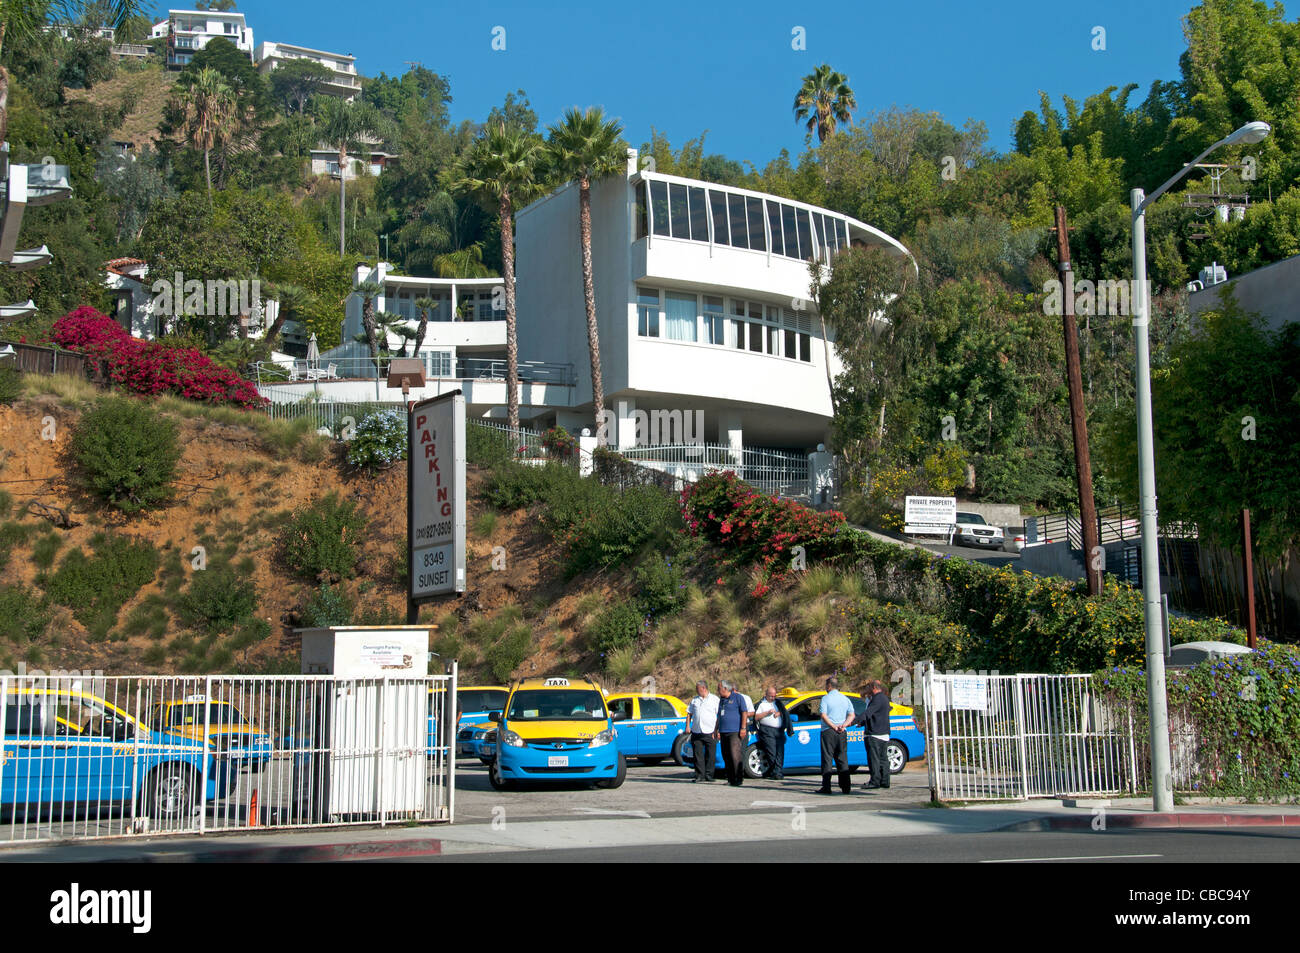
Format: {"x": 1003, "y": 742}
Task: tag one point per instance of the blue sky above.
{"x": 730, "y": 69}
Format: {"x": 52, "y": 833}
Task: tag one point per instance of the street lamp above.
{"x": 1162, "y": 787}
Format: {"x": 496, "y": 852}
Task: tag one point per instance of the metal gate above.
{"x": 999, "y": 737}
{"x": 94, "y": 756}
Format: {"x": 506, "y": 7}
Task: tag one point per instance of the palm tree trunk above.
{"x": 512, "y": 330}
{"x": 368, "y": 324}
{"x": 420, "y": 330}
{"x": 343, "y": 191}
{"x": 207, "y": 170}
{"x": 589, "y": 296}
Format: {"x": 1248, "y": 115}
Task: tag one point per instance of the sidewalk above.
{"x": 767, "y": 820}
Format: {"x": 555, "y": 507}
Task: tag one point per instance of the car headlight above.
{"x": 512, "y": 739}
{"x": 604, "y": 738}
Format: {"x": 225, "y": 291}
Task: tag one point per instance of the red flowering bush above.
{"x": 149, "y": 367}
{"x": 752, "y": 528}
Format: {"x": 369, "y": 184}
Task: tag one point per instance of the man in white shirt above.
{"x": 702, "y": 719}
{"x": 773, "y": 723}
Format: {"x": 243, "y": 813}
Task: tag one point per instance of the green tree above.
{"x": 502, "y": 168}
{"x": 208, "y": 106}
{"x": 585, "y": 147}
{"x": 297, "y": 81}
{"x": 347, "y": 127}
{"x": 824, "y": 101}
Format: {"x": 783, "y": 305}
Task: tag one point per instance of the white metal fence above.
{"x": 997, "y": 737}
{"x": 110, "y": 756}
{"x": 778, "y": 472}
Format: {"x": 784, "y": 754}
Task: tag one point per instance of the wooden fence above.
{"x": 33, "y": 359}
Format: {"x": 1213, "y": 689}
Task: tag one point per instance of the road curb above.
{"x": 291, "y": 854}
{"x": 1189, "y": 819}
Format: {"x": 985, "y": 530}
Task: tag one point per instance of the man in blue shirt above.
{"x": 733, "y": 732}
{"x": 837, "y": 715}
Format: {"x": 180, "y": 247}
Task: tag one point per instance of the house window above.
{"x": 647, "y": 312}
{"x": 757, "y": 234}
{"x": 718, "y": 205}
{"x": 805, "y": 348}
{"x": 805, "y": 234}
{"x": 642, "y": 214}
{"x": 680, "y": 214}
{"x": 715, "y": 321}
{"x": 699, "y": 216}
{"x": 659, "y": 207}
{"x": 791, "y": 233}
{"x": 841, "y": 234}
{"x": 736, "y": 334}
{"x": 774, "y": 223}
{"x": 679, "y": 317}
{"x": 739, "y": 234}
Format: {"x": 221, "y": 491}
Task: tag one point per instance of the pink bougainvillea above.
{"x": 148, "y": 367}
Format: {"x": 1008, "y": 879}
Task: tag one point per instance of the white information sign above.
{"x": 929, "y": 515}
{"x": 436, "y": 488}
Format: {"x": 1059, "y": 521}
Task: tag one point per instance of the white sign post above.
{"x": 929, "y": 515}
{"x": 436, "y": 499}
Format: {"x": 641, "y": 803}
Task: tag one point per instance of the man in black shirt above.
{"x": 876, "y": 735}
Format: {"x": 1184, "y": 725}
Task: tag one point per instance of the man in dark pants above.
{"x": 702, "y": 719}
{"x": 837, "y": 715}
{"x": 774, "y": 725}
{"x": 876, "y": 734}
{"x": 732, "y": 732}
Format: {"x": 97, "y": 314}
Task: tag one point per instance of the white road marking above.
{"x": 786, "y": 804}
{"x": 1035, "y": 860}
{"x": 601, "y": 810}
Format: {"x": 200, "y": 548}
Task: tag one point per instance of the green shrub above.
{"x": 509, "y": 652}
{"x": 488, "y": 447}
{"x": 11, "y": 384}
{"x": 615, "y": 627}
{"x": 127, "y": 452}
{"x": 45, "y": 549}
{"x": 148, "y": 618}
{"x": 661, "y": 585}
{"x": 95, "y": 587}
{"x": 13, "y": 534}
{"x": 217, "y": 600}
{"x": 6, "y": 503}
{"x": 328, "y": 605}
{"x": 23, "y": 615}
{"x": 322, "y": 539}
{"x": 379, "y": 441}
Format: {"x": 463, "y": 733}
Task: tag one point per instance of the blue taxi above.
{"x": 66, "y": 749}
{"x": 649, "y": 727}
{"x": 556, "y": 729}
{"x": 803, "y": 751}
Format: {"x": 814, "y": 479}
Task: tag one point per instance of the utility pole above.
{"x": 1249, "y": 572}
{"x": 1093, "y": 554}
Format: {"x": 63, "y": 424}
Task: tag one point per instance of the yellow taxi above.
{"x": 649, "y": 727}
{"x": 234, "y": 738}
{"x": 556, "y": 729}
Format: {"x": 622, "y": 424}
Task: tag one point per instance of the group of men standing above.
{"x": 724, "y": 719}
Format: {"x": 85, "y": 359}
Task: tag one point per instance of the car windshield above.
{"x": 549, "y": 704}
{"x": 971, "y": 518}
{"x": 480, "y": 700}
{"x": 189, "y": 715}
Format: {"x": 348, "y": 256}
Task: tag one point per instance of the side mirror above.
{"x": 494, "y": 716}
{"x": 619, "y": 716}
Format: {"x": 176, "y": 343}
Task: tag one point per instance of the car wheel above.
{"x": 617, "y": 780}
{"x": 494, "y": 778}
{"x": 756, "y": 762}
{"x": 897, "y": 756}
{"x": 170, "y": 793}
{"x": 650, "y": 762}
{"x": 681, "y": 745}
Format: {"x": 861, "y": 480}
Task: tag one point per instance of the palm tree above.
{"x": 586, "y": 147}
{"x": 464, "y": 262}
{"x": 369, "y": 290}
{"x": 424, "y": 306}
{"x": 394, "y": 324}
{"x": 21, "y": 21}
{"x": 291, "y": 298}
{"x": 502, "y": 165}
{"x": 209, "y": 105}
{"x": 824, "y": 100}
{"x": 346, "y": 127}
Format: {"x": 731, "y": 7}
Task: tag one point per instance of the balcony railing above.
{"x": 437, "y": 366}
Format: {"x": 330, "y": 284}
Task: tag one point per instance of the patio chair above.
{"x": 332, "y": 371}
{"x": 298, "y": 370}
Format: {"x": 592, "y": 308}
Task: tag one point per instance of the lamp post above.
{"x": 1162, "y": 787}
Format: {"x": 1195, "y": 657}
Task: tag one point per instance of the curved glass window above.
{"x": 677, "y": 208}
{"x": 659, "y": 207}
{"x": 679, "y": 317}
{"x": 757, "y": 233}
{"x": 699, "y": 216}
{"x": 774, "y": 226}
{"x": 791, "y": 232}
{"x": 718, "y": 206}
{"x": 739, "y": 234}
{"x": 806, "y": 249}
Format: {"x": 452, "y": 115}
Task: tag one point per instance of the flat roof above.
{"x": 307, "y": 49}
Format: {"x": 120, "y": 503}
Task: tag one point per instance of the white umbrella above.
{"x": 313, "y": 350}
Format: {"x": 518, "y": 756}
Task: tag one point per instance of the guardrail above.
{"x": 1114, "y": 524}
{"x": 90, "y": 757}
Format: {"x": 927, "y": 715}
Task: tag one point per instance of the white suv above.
{"x": 971, "y": 530}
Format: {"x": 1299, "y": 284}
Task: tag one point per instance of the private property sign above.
{"x": 929, "y": 515}
{"x": 436, "y": 496}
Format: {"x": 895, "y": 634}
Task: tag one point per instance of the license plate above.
{"x": 557, "y": 761}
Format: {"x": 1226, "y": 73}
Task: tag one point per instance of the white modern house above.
{"x": 325, "y": 161}
{"x": 702, "y": 303}
{"x": 344, "y": 81}
{"x": 189, "y": 31}
{"x": 138, "y": 308}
